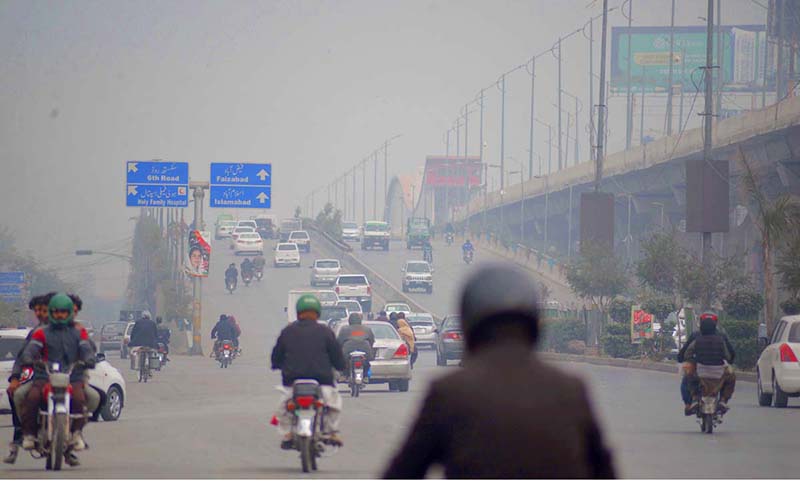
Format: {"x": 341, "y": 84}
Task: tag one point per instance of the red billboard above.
{"x": 441, "y": 171}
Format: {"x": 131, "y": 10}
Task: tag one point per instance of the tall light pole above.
{"x": 560, "y": 90}
{"x": 628, "y": 105}
{"x": 502, "y": 130}
{"x": 198, "y": 193}
{"x": 708, "y": 114}
{"x": 375, "y": 186}
{"x": 578, "y": 109}
{"x": 670, "y": 80}
{"x": 532, "y": 73}
{"x": 522, "y": 203}
{"x": 601, "y": 132}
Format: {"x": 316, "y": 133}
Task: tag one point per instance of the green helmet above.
{"x": 308, "y": 302}
{"x": 61, "y": 302}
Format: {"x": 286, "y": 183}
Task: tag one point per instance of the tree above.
{"x": 329, "y": 220}
{"x": 787, "y": 265}
{"x": 598, "y": 275}
{"x": 662, "y": 261}
{"x": 772, "y": 218}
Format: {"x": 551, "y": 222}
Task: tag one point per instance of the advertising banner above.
{"x": 199, "y": 256}
{"x": 452, "y": 171}
{"x": 641, "y": 324}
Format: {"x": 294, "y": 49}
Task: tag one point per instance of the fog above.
{"x": 310, "y": 86}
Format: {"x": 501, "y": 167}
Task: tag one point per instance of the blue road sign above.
{"x": 10, "y": 299}
{"x": 241, "y": 186}
{"x": 12, "y": 277}
{"x": 241, "y": 197}
{"x": 10, "y": 290}
{"x": 157, "y": 184}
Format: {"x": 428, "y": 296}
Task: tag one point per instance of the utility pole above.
{"x": 385, "y": 178}
{"x": 591, "y": 88}
{"x": 480, "y": 130}
{"x": 559, "y": 104}
{"x": 708, "y": 115}
{"x": 764, "y": 61}
{"x": 720, "y": 71}
{"x": 364, "y": 191}
{"x": 354, "y": 193}
{"x": 683, "y": 89}
{"x": 503, "y": 132}
{"x": 533, "y": 118}
{"x": 779, "y": 80}
{"x": 198, "y": 193}
{"x": 670, "y": 80}
{"x": 641, "y": 116}
{"x": 375, "y": 186}
{"x": 598, "y": 175}
{"x": 628, "y": 106}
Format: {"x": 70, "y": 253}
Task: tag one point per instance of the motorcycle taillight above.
{"x": 304, "y": 402}
{"x": 357, "y": 364}
{"x": 226, "y": 346}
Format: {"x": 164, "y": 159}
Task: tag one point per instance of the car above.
{"x": 327, "y": 298}
{"x": 396, "y": 307}
{"x": 104, "y": 377}
{"x": 288, "y": 226}
{"x": 418, "y": 275}
{"x": 325, "y": 271}
{"x": 248, "y": 242}
{"x": 126, "y": 338}
{"x": 332, "y": 315}
{"x": 287, "y": 254}
{"x": 265, "y": 227}
{"x": 355, "y": 287}
{"x": 392, "y": 363}
{"x": 239, "y": 231}
{"x": 111, "y": 336}
{"x": 224, "y": 229}
{"x": 302, "y": 239}
{"x": 449, "y": 340}
{"x": 375, "y": 234}
{"x": 424, "y": 327}
{"x": 351, "y": 231}
{"x": 778, "y": 368}
{"x": 247, "y": 223}
{"x": 351, "y": 306}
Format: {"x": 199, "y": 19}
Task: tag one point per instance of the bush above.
{"x": 616, "y": 341}
{"x": 743, "y": 305}
{"x": 620, "y": 310}
{"x": 744, "y": 337}
{"x": 558, "y": 334}
{"x": 791, "y": 307}
{"x": 659, "y": 306}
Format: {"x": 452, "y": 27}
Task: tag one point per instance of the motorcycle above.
{"x": 225, "y": 354}
{"x": 259, "y": 274}
{"x": 709, "y": 415}
{"x": 356, "y": 378}
{"x": 468, "y": 257}
{"x": 230, "y": 285}
{"x": 247, "y": 277}
{"x": 162, "y": 351}
{"x": 449, "y": 237}
{"x": 308, "y": 409}
{"x": 53, "y": 438}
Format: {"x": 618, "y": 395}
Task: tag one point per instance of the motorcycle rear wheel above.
{"x": 707, "y": 425}
{"x": 304, "y": 444}
{"x": 56, "y": 456}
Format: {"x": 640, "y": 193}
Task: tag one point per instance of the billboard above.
{"x": 641, "y": 324}
{"x": 707, "y": 196}
{"x": 742, "y": 58}
{"x": 199, "y": 255}
{"x": 441, "y": 171}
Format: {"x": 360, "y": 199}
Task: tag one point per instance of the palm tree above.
{"x": 772, "y": 219}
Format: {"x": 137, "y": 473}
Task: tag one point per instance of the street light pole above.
{"x": 502, "y": 131}
{"x": 559, "y": 105}
{"x": 628, "y": 106}
{"x": 671, "y": 61}
{"x": 375, "y": 186}
{"x": 601, "y": 133}
{"x": 708, "y": 114}
{"x": 198, "y": 194}
{"x": 533, "y": 117}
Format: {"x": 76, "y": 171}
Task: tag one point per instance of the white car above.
{"x": 301, "y": 238}
{"x": 778, "y": 367}
{"x": 326, "y": 298}
{"x": 247, "y": 223}
{"x": 239, "y": 231}
{"x": 287, "y": 254}
{"x": 351, "y": 232}
{"x": 397, "y": 307}
{"x": 418, "y": 275}
{"x": 104, "y": 377}
{"x": 325, "y": 271}
{"x": 424, "y": 328}
{"x": 224, "y": 229}
{"x": 350, "y": 305}
{"x": 248, "y": 242}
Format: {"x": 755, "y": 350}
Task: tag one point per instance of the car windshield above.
{"x": 351, "y": 280}
{"x": 328, "y": 264}
{"x": 9, "y": 347}
{"x": 397, "y": 308}
{"x": 349, "y": 225}
{"x": 375, "y": 228}
{"x": 418, "y": 267}
{"x": 383, "y": 330}
{"x": 299, "y": 235}
{"x": 333, "y": 312}
{"x": 287, "y": 247}
{"x": 352, "y": 306}
{"x": 452, "y": 323}
{"x": 326, "y": 296}
{"x": 263, "y": 223}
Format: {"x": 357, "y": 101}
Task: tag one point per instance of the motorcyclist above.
{"x": 427, "y": 251}
{"x": 689, "y": 380}
{"x": 467, "y": 247}
{"x": 59, "y": 341}
{"x": 163, "y": 335}
{"x": 259, "y": 262}
{"x": 231, "y": 275}
{"x": 17, "y": 386}
{"x": 500, "y": 320}
{"x": 712, "y": 354}
{"x": 308, "y": 350}
{"x": 448, "y": 229}
{"x": 223, "y": 330}
{"x": 357, "y": 337}
{"x": 238, "y": 332}
{"x": 247, "y": 268}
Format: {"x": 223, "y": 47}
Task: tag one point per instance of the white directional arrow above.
{"x": 262, "y": 197}
{"x": 132, "y": 190}
{"x": 132, "y": 167}
{"x": 262, "y": 174}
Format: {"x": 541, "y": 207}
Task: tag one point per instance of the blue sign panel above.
{"x": 12, "y": 277}
{"x": 10, "y": 290}
{"x": 241, "y": 186}
{"x": 157, "y": 184}
{"x": 241, "y": 197}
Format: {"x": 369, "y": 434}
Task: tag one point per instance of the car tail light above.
{"x": 369, "y": 290}
{"x": 452, "y": 335}
{"x": 357, "y": 363}
{"x": 304, "y": 402}
{"x": 787, "y": 355}
{"x": 402, "y": 351}
{"x": 337, "y": 289}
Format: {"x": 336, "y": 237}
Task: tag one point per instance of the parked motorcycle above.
{"x": 356, "y": 377}
{"x": 468, "y": 257}
{"x": 225, "y": 353}
{"x": 308, "y": 409}
{"x": 709, "y": 415}
{"x": 449, "y": 238}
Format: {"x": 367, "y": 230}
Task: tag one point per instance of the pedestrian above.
{"x": 393, "y": 319}
{"x": 506, "y": 414}
{"x": 407, "y": 334}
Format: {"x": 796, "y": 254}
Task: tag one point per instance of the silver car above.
{"x": 392, "y": 362}
{"x": 424, "y": 328}
{"x": 325, "y": 271}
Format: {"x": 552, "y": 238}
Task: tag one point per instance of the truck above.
{"x": 376, "y": 233}
{"x": 418, "y": 231}
{"x": 288, "y": 226}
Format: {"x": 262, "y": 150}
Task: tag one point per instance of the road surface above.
{"x": 196, "y": 420}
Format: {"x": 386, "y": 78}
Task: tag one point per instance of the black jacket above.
{"x": 357, "y": 337}
{"x": 144, "y": 333}
{"x": 307, "y": 350}
{"x": 505, "y": 415}
{"x": 61, "y": 343}
{"x": 224, "y": 330}
{"x": 231, "y": 273}
{"x": 682, "y": 353}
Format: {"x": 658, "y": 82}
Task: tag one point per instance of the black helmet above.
{"x": 355, "y": 318}
{"x": 497, "y": 293}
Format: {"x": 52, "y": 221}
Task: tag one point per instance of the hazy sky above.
{"x": 310, "y": 86}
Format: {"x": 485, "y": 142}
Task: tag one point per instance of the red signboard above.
{"x": 452, "y": 171}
